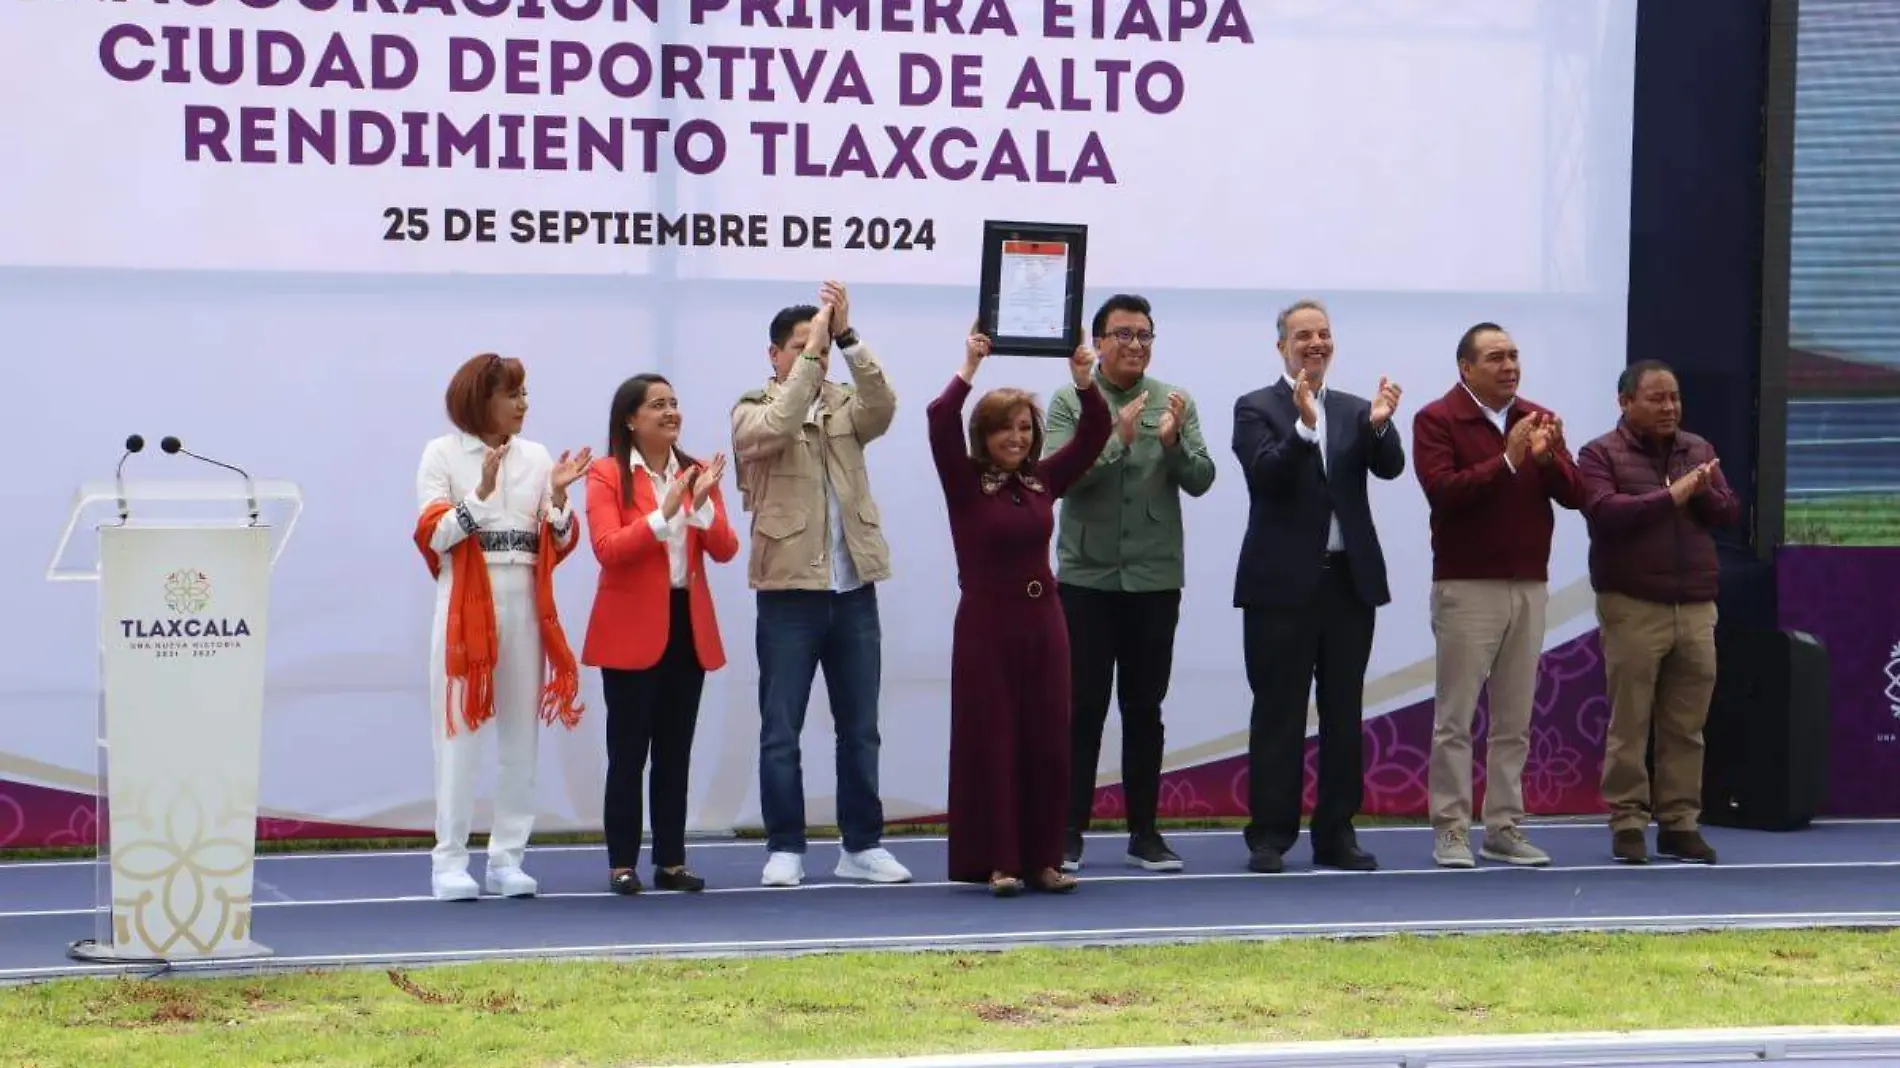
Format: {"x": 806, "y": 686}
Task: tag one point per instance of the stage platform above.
{"x": 350, "y": 909}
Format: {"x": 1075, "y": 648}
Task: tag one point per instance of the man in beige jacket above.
{"x": 818, "y": 552}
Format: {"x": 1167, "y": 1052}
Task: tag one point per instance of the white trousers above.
{"x": 515, "y": 728}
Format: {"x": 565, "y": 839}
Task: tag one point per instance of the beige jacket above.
{"x": 783, "y": 455}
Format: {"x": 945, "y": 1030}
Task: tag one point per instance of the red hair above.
{"x": 993, "y": 412}
{"x": 475, "y": 384}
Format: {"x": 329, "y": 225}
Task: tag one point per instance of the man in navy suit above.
{"x": 1311, "y": 577}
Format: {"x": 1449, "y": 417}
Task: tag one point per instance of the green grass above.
{"x": 1858, "y": 521}
{"x": 578, "y": 1015}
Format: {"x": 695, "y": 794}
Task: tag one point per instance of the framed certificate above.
{"x": 1031, "y": 297}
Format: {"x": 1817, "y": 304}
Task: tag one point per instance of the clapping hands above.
{"x": 1172, "y": 419}
{"x": 705, "y": 477}
{"x": 1698, "y": 479}
{"x": 695, "y": 483}
{"x": 567, "y": 471}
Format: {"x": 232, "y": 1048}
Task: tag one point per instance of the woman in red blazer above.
{"x": 655, "y": 514}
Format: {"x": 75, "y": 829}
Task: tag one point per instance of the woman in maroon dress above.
{"x": 1009, "y": 674}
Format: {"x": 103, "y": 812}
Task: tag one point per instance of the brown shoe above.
{"x": 1686, "y": 846}
{"x": 1630, "y": 846}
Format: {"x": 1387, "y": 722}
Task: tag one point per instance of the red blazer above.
{"x": 629, "y": 626}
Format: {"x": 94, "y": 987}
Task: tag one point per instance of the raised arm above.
{"x": 1608, "y": 510}
{"x": 1269, "y": 460}
{"x": 1060, "y": 429}
{"x": 945, "y": 416}
{"x": 1068, "y": 465}
{"x": 1065, "y": 466}
{"x": 873, "y": 404}
{"x": 762, "y": 428}
{"x": 1447, "y": 487}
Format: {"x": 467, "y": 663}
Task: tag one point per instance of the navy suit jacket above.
{"x": 1291, "y": 500}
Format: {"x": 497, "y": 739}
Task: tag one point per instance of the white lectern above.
{"x": 183, "y": 572}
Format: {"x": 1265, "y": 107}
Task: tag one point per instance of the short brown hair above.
{"x": 995, "y": 409}
{"x": 477, "y": 382}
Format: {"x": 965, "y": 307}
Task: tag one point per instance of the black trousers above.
{"x": 1327, "y": 642}
{"x": 652, "y": 713}
{"x": 1124, "y": 643}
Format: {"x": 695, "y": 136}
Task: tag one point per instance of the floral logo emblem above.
{"x": 1893, "y": 679}
{"x": 187, "y": 592}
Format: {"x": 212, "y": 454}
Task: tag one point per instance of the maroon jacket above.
{"x": 1487, "y": 523}
{"x": 1642, "y": 544}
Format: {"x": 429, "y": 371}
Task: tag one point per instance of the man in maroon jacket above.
{"x": 1652, "y": 493}
{"x": 1490, "y": 462}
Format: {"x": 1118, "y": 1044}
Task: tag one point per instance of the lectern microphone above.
{"x": 133, "y": 444}
{"x": 171, "y": 446}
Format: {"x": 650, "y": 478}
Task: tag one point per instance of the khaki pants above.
{"x": 1660, "y": 664}
{"x": 1485, "y": 630}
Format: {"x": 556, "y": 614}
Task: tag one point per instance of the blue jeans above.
{"x": 798, "y": 632}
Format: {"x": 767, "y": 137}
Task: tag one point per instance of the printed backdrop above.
{"x": 274, "y": 229}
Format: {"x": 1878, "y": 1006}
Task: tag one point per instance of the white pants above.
{"x": 515, "y": 728}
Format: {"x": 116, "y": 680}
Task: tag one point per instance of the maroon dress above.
{"x": 1009, "y": 661}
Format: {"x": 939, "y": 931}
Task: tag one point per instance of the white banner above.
{"x": 1422, "y": 165}
{"x": 182, "y": 630}
{"x": 739, "y": 140}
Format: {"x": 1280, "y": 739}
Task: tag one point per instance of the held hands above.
{"x": 567, "y": 471}
{"x": 1386, "y": 403}
{"x": 1699, "y": 478}
{"x": 832, "y": 295}
{"x": 491, "y": 471}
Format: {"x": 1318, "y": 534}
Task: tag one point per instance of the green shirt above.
{"x": 1120, "y": 526}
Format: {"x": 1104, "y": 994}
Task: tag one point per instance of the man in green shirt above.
{"x": 1120, "y": 570}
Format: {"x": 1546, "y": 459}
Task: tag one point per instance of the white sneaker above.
{"x": 455, "y": 886}
{"x": 511, "y": 882}
{"x": 874, "y": 865}
{"x": 784, "y": 869}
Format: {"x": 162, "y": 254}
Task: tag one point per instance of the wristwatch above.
{"x": 846, "y": 339}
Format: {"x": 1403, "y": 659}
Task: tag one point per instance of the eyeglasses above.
{"x": 1132, "y": 337}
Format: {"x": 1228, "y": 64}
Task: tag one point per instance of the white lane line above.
{"x": 1634, "y": 869}
{"x": 897, "y": 842}
{"x": 953, "y": 940}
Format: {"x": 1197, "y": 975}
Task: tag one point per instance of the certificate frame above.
{"x": 1003, "y": 237}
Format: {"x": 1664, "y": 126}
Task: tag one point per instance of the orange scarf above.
{"x": 472, "y": 635}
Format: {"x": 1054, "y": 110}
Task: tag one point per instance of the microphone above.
{"x": 133, "y": 444}
{"x": 172, "y": 446}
